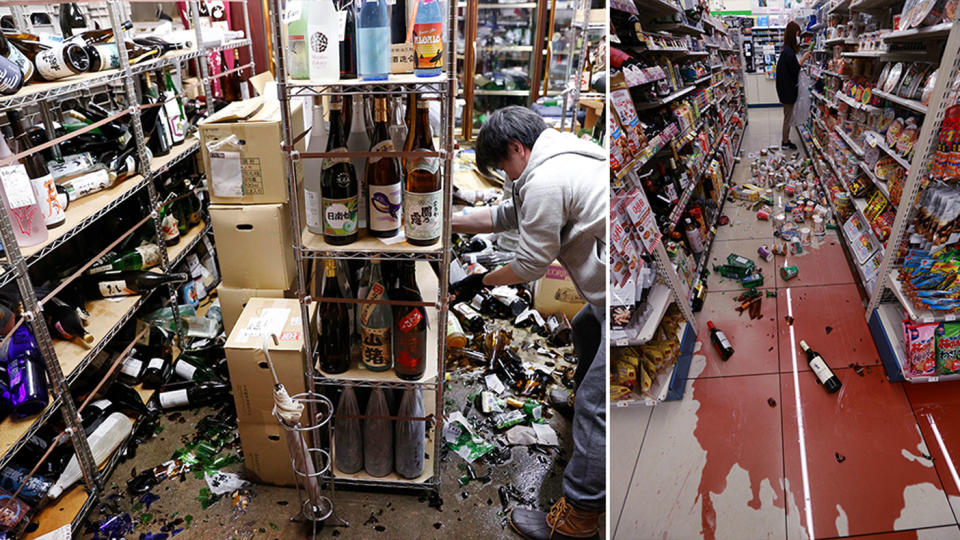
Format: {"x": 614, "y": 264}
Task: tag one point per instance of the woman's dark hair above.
{"x": 504, "y": 126}
{"x": 790, "y": 35}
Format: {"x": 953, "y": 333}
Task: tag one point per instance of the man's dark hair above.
{"x": 504, "y": 126}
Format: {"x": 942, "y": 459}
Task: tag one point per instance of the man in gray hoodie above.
{"x": 559, "y": 206}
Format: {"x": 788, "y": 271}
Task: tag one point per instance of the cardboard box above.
{"x": 556, "y": 293}
{"x": 250, "y": 374}
{"x": 254, "y": 245}
{"x": 265, "y": 453}
{"x": 233, "y": 300}
{"x": 256, "y": 124}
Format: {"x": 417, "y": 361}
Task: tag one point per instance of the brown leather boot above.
{"x": 564, "y": 522}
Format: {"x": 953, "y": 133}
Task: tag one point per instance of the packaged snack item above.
{"x": 948, "y": 348}
{"x": 928, "y": 87}
{"x": 626, "y": 375}
{"x": 910, "y": 74}
{"x": 950, "y": 10}
{"x": 887, "y": 118}
{"x": 893, "y": 79}
{"x": 920, "y": 348}
{"x": 884, "y": 73}
{"x": 910, "y": 134}
{"x": 917, "y": 87}
{"x": 619, "y": 393}
{"x": 893, "y": 133}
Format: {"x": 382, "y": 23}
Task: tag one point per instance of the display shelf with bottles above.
{"x": 69, "y": 510}
{"x": 329, "y": 366}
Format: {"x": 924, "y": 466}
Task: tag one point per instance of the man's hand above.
{"x": 468, "y": 287}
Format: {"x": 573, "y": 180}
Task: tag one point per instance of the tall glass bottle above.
{"x": 339, "y": 186}
{"x": 58, "y": 62}
{"x": 384, "y": 179}
{"x": 359, "y": 141}
{"x": 410, "y": 435}
{"x": 12, "y": 53}
{"x": 423, "y": 192}
{"x": 312, "y": 184}
{"x": 398, "y": 21}
{"x": 298, "y": 53}
{"x": 398, "y": 125}
{"x": 52, "y": 204}
{"x": 377, "y": 436}
{"x": 323, "y": 31}
{"x": 348, "y": 441}
{"x": 333, "y": 324}
{"x": 409, "y": 328}
{"x": 428, "y": 39}
{"x": 373, "y": 40}
{"x": 26, "y": 219}
{"x": 176, "y": 116}
{"x": 28, "y": 381}
{"x": 348, "y": 41}
{"x": 376, "y": 325}
{"x": 11, "y": 77}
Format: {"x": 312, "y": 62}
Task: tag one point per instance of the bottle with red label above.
{"x": 409, "y": 327}
{"x": 428, "y": 39}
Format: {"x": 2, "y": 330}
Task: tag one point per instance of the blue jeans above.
{"x": 584, "y": 479}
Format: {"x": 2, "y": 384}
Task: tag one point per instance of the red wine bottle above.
{"x": 824, "y": 374}
{"x": 720, "y": 341}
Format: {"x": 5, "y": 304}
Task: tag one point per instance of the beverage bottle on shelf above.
{"x": 333, "y": 324}
{"x": 138, "y": 54}
{"x": 377, "y": 436}
{"x": 323, "y": 32}
{"x": 11, "y": 77}
{"x": 102, "y": 442}
{"x": 359, "y": 141}
{"x": 348, "y": 444}
{"x": 33, "y": 489}
{"x": 19, "y": 200}
{"x": 13, "y": 54}
{"x": 99, "y": 35}
{"x": 125, "y": 283}
{"x": 52, "y": 201}
{"x": 154, "y": 121}
{"x": 410, "y": 435}
{"x": 28, "y": 380}
{"x": 65, "y": 321}
{"x": 6, "y": 406}
{"x": 364, "y": 281}
{"x": 233, "y": 82}
{"x": 373, "y": 40}
{"x": 823, "y": 372}
{"x": 376, "y": 325}
{"x": 384, "y": 179}
{"x": 398, "y": 23}
{"x": 720, "y": 341}
{"x": 173, "y": 104}
{"x": 131, "y": 370}
{"x": 428, "y": 39}
{"x": 194, "y": 394}
{"x": 103, "y": 57}
{"x": 423, "y": 192}
{"x": 398, "y": 125}
{"x": 191, "y": 370}
{"x": 140, "y": 258}
{"x": 54, "y": 63}
{"x": 312, "y": 184}
{"x": 694, "y": 238}
{"x": 156, "y": 372}
{"x": 297, "y": 13}
{"x": 169, "y": 225}
{"x": 348, "y": 41}
{"x": 340, "y": 187}
{"x": 409, "y": 327}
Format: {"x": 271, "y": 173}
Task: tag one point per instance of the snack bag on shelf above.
{"x": 948, "y": 348}
{"x": 920, "y": 348}
{"x": 625, "y": 375}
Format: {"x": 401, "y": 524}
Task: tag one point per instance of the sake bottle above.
{"x": 348, "y": 445}
{"x": 377, "y": 436}
{"x": 410, "y": 435}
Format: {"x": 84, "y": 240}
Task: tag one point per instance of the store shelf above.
{"x": 665, "y": 100}
{"x": 915, "y": 313}
{"x": 521, "y": 5}
{"x": 650, "y": 8}
{"x": 869, "y": 5}
{"x": 658, "y": 300}
{"x": 880, "y": 142}
{"x": 670, "y": 383}
{"x": 887, "y": 329}
{"x": 908, "y": 103}
{"x": 700, "y": 80}
{"x": 515, "y": 93}
{"x": 896, "y": 56}
{"x": 880, "y": 184}
{"x": 507, "y": 48}
{"x": 839, "y": 7}
{"x": 176, "y": 254}
{"x": 715, "y": 23}
{"x": 677, "y": 28}
{"x": 366, "y": 246}
{"x": 697, "y": 53}
{"x": 716, "y": 67}
{"x": 358, "y": 375}
{"x": 854, "y": 103}
{"x": 14, "y": 432}
{"x": 850, "y": 144}
{"x": 60, "y": 512}
{"x": 395, "y": 82}
{"x": 160, "y": 165}
{"x": 937, "y": 31}
{"x": 840, "y": 40}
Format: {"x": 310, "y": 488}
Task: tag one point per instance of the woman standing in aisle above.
{"x": 788, "y": 74}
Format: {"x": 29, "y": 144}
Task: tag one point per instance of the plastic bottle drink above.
{"x": 428, "y": 39}
{"x": 324, "y": 54}
{"x": 103, "y": 442}
{"x": 299, "y": 65}
{"x": 410, "y": 435}
{"x": 348, "y": 442}
{"x": 373, "y": 40}
{"x": 377, "y": 436}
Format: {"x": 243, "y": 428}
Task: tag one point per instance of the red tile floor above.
{"x": 726, "y": 462}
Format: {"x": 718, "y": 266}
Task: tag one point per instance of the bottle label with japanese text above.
{"x": 410, "y": 321}
{"x": 51, "y": 65}
{"x": 375, "y": 293}
{"x": 21, "y": 60}
{"x": 114, "y": 288}
{"x": 376, "y": 348}
{"x": 340, "y": 216}
{"x": 50, "y": 206}
{"x": 312, "y": 203}
{"x": 421, "y": 214}
{"x": 386, "y": 203}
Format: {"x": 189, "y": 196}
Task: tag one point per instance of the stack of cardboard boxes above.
{"x": 247, "y": 180}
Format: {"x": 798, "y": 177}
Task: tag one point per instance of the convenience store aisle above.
{"x": 728, "y": 461}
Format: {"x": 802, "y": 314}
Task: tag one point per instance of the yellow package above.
{"x": 626, "y": 375}
{"x": 645, "y": 381}
{"x": 619, "y": 393}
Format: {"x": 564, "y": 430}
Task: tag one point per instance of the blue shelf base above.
{"x": 678, "y": 383}
{"x": 890, "y": 363}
